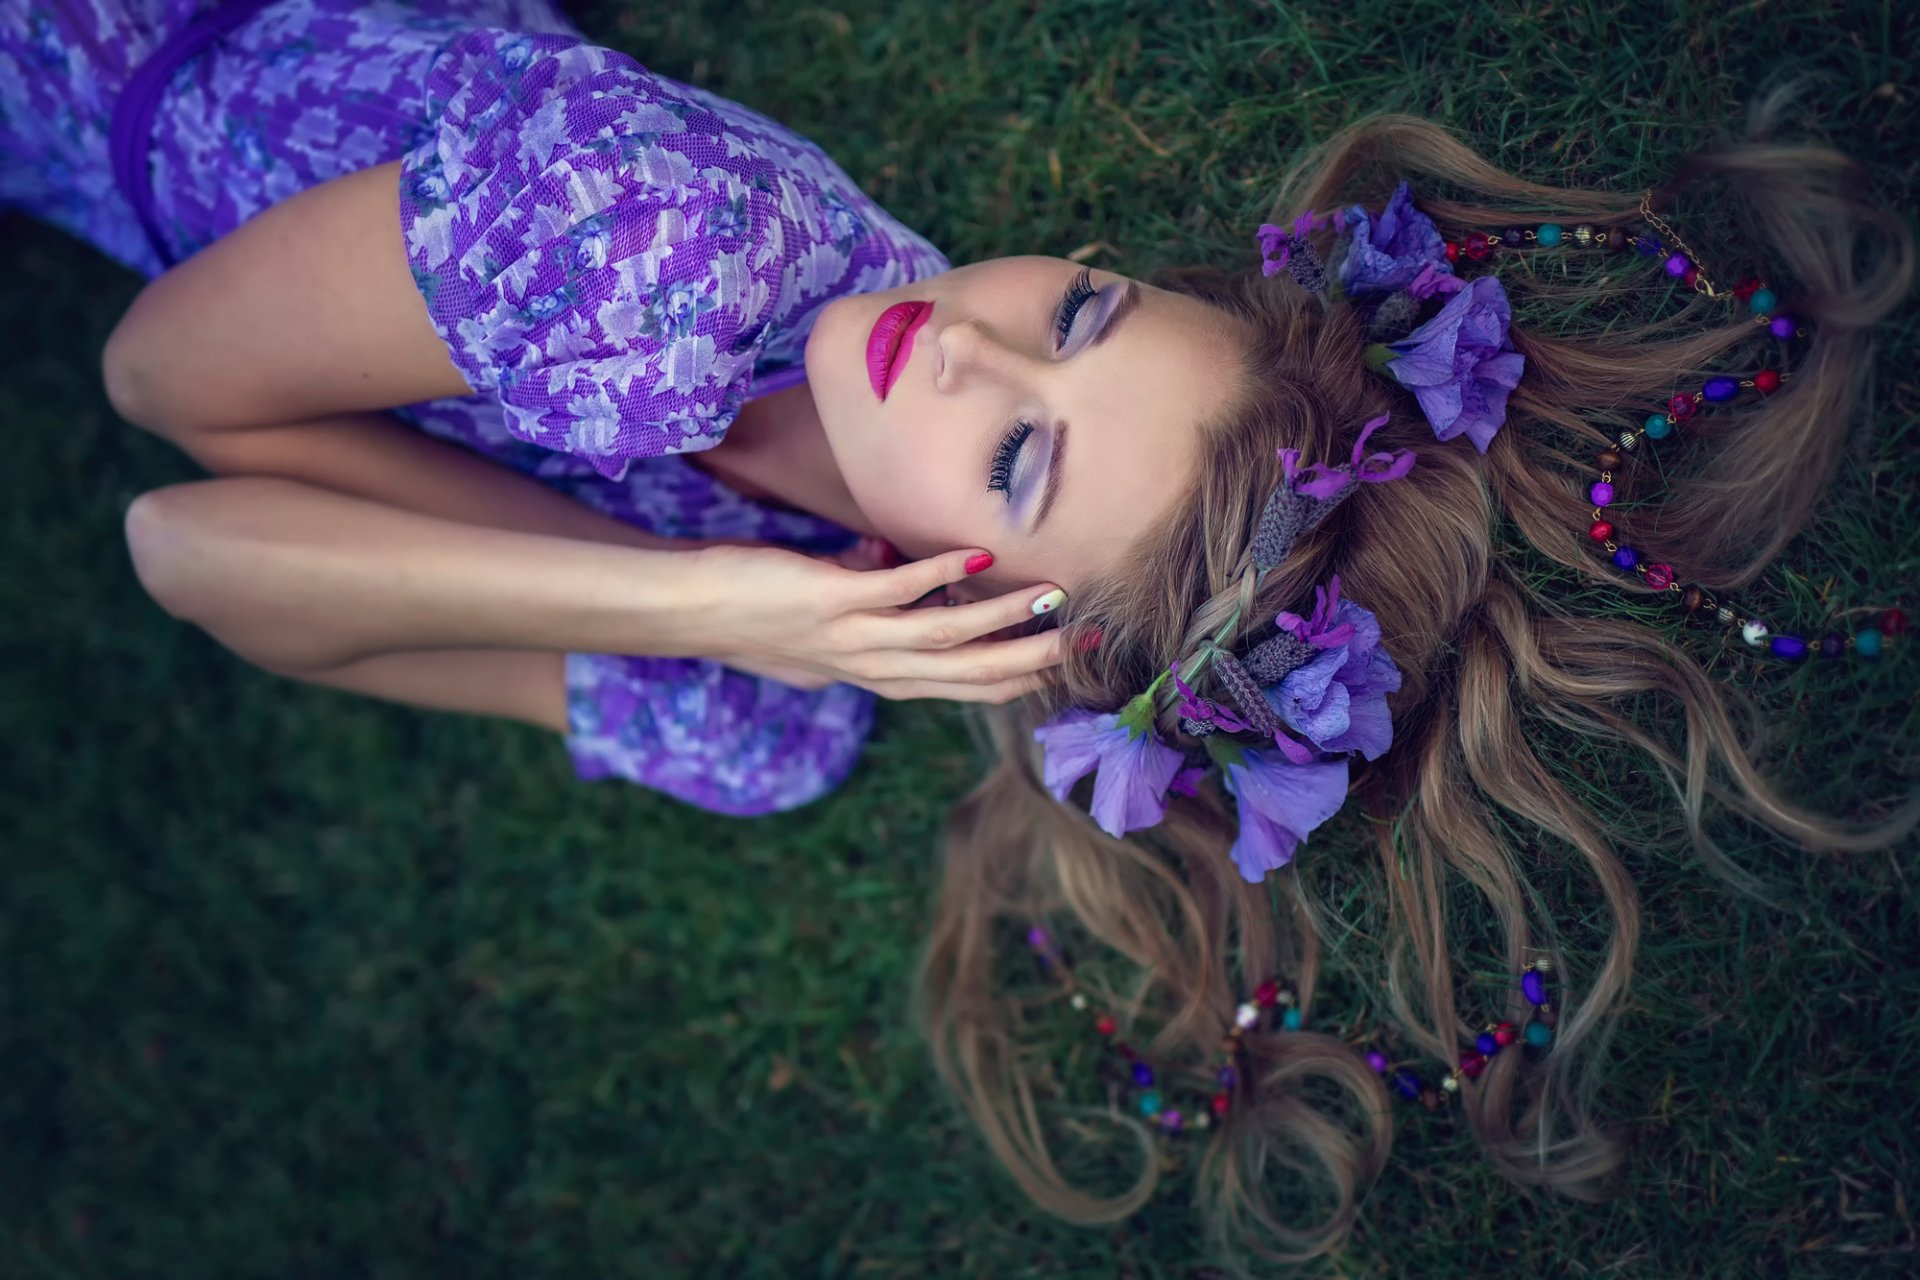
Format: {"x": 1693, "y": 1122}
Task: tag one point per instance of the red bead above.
{"x": 1479, "y": 245}
{"x": 1126, "y": 1050}
{"x": 1267, "y": 994}
{"x": 1472, "y": 1063}
{"x": 1659, "y": 576}
{"x": 1221, "y": 1104}
{"x": 1691, "y": 278}
{"x": 1504, "y": 1034}
{"x": 1682, "y": 407}
{"x": 1746, "y": 288}
{"x": 1601, "y": 531}
{"x": 1766, "y": 381}
{"x": 1453, "y": 251}
{"x": 1893, "y": 622}
{"x": 1106, "y": 1026}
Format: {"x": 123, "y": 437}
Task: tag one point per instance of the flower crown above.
{"x": 1325, "y": 676}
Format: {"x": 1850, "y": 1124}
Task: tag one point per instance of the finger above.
{"x": 985, "y": 662}
{"x": 1000, "y": 692}
{"x": 898, "y": 587}
{"x": 966, "y": 622}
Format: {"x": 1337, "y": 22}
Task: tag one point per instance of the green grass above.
{"x": 298, "y": 984}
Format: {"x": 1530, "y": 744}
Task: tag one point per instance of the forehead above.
{"x": 1133, "y": 407}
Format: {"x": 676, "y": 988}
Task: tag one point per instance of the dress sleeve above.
{"x": 593, "y": 247}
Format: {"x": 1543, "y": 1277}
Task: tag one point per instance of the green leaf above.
{"x": 1225, "y": 751}
{"x": 1379, "y": 356}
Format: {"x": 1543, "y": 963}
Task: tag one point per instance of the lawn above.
{"x": 297, "y": 984}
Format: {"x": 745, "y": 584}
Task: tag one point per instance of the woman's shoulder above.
{"x": 618, "y": 252}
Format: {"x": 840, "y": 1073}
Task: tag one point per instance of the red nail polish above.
{"x": 980, "y": 563}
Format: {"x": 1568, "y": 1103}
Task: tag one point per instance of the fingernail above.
{"x": 1089, "y": 641}
{"x": 890, "y": 556}
{"x": 1050, "y": 601}
{"x": 983, "y": 561}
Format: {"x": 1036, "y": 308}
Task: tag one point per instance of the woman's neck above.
{"x": 776, "y": 450}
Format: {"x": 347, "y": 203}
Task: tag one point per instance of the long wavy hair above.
{"x": 1462, "y": 805}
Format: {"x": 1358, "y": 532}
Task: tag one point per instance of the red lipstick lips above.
{"x": 891, "y": 343}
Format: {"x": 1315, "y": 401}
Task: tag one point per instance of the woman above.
{"x": 1186, "y": 462}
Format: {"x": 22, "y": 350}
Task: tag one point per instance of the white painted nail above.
{"x": 1050, "y": 601}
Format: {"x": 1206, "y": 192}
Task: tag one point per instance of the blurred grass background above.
{"x": 297, "y": 984}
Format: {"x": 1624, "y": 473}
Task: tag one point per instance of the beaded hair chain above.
{"x": 1153, "y": 1104}
{"x": 1683, "y": 265}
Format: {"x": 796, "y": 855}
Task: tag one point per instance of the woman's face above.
{"x": 1050, "y": 446}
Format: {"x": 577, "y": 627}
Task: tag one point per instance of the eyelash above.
{"x": 1080, "y": 291}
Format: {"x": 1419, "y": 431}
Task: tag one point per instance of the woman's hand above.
{"x": 810, "y": 622}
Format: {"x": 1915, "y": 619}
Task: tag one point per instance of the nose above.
{"x": 968, "y": 352}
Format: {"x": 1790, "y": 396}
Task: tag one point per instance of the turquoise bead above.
{"x": 1548, "y": 234}
{"x": 1867, "y": 643}
{"x": 1762, "y": 301}
{"x": 1150, "y": 1103}
{"x": 1291, "y": 1019}
{"x": 1539, "y": 1034}
{"x": 1658, "y": 426}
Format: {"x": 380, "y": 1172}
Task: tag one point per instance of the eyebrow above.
{"x": 1121, "y": 310}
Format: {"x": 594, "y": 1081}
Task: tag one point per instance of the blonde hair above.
{"x": 1479, "y": 649}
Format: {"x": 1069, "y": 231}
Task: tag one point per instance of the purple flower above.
{"x": 1194, "y": 707}
{"x": 1460, "y": 365}
{"x": 1434, "y": 280}
{"x": 1131, "y": 789}
{"x": 1387, "y": 252}
{"x": 1277, "y": 243}
{"x": 1280, "y": 803}
{"x": 1337, "y": 700}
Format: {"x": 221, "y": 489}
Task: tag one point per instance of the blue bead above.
{"x": 1626, "y": 558}
{"x": 1548, "y": 234}
{"x": 1658, "y": 425}
{"x": 1721, "y": 390}
{"x": 1142, "y": 1073}
{"x": 1150, "y": 1103}
{"x": 1867, "y": 643}
{"x": 1539, "y": 1034}
{"x": 1533, "y": 987}
{"x": 1487, "y": 1044}
{"x": 1761, "y": 302}
{"x": 1792, "y": 648}
{"x": 1226, "y": 1077}
{"x": 1291, "y": 1019}
{"x": 1645, "y": 246}
{"x": 1405, "y": 1084}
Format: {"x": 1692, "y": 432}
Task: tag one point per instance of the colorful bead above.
{"x": 1766, "y": 382}
{"x": 1534, "y": 987}
{"x": 1429, "y": 1099}
{"x": 1761, "y": 302}
{"x": 1601, "y": 493}
{"x": 1539, "y": 1034}
{"x": 1246, "y": 1015}
{"x": 1513, "y": 237}
{"x": 1659, "y": 425}
{"x": 1893, "y": 622}
{"x": 1721, "y": 390}
{"x": 1479, "y": 245}
{"x": 1724, "y": 614}
{"x": 1628, "y": 441}
{"x": 1616, "y": 239}
{"x": 1544, "y": 964}
{"x": 1486, "y": 1044}
{"x": 1677, "y": 265}
{"x": 1692, "y": 598}
{"x": 1781, "y": 326}
{"x": 1106, "y": 1026}
{"x": 1150, "y": 1102}
{"x": 1504, "y": 1035}
{"x": 1170, "y": 1121}
{"x": 1682, "y": 407}
{"x": 1626, "y": 557}
{"x": 1582, "y": 235}
{"x": 1691, "y": 277}
{"x": 1227, "y": 1077}
{"x": 1078, "y": 1001}
{"x": 1125, "y": 1050}
{"x": 1405, "y": 1084}
{"x": 1601, "y": 531}
{"x": 1473, "y": 1064}
{"x": 1451, "y": 1083}
{"x": 1221, "y": 1104}
{"x": 1290, "y": 1020}
{"x": 1609, "y": 460}
{"x": 1867, "y": 643}
{"x": 1745, "y": 288}
{"x": 1453, "y": 251}
{"x": 1755, "y": 633}
{"x": 1646, "y": 246}
{"x": 1791, "y": 648}
{"x": 1549, "y": 234}
{"x": 1832, "y": 646}
{"x": 1378, "y": 1061}
{"x": 1266, "y": 994}
{"x": 1659, "y": 576}
{"x": 1142, "y": 1073}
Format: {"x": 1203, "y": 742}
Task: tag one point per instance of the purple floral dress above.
{"x": 616, "y": 261}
